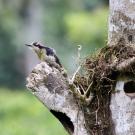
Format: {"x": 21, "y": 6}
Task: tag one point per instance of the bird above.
{"x": 47, "y": 54}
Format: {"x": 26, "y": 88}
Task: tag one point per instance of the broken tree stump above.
{"x": 100, "y": 100}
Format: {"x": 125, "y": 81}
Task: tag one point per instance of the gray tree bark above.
{"x": 122, "y": 20}
{"x": 122, "y": 25}
{"x": 53, "y": 89}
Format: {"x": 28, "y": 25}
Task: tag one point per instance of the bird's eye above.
{"x": 35, "y": 43}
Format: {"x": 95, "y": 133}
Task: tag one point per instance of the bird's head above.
{"x": 41, "y": 50}
{"x": 38, "y": 49}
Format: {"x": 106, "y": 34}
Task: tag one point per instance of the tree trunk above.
{"x": 122, "y": 25}
{"x": 122, "y": 20}
{"x": 93, "y": 107}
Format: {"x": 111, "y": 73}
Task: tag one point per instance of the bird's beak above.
{"x": 28, "y": 45}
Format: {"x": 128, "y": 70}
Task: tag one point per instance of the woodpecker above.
{"x": 46, "y": 54}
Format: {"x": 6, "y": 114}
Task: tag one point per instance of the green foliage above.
{"x": 87, "y": 28}
{"x": 65, "y": 23}
{"x": 22, "y": 114}
{"x": 9, "y": 74}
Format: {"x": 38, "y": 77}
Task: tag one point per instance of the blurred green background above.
{"x": 61, "y": 24}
